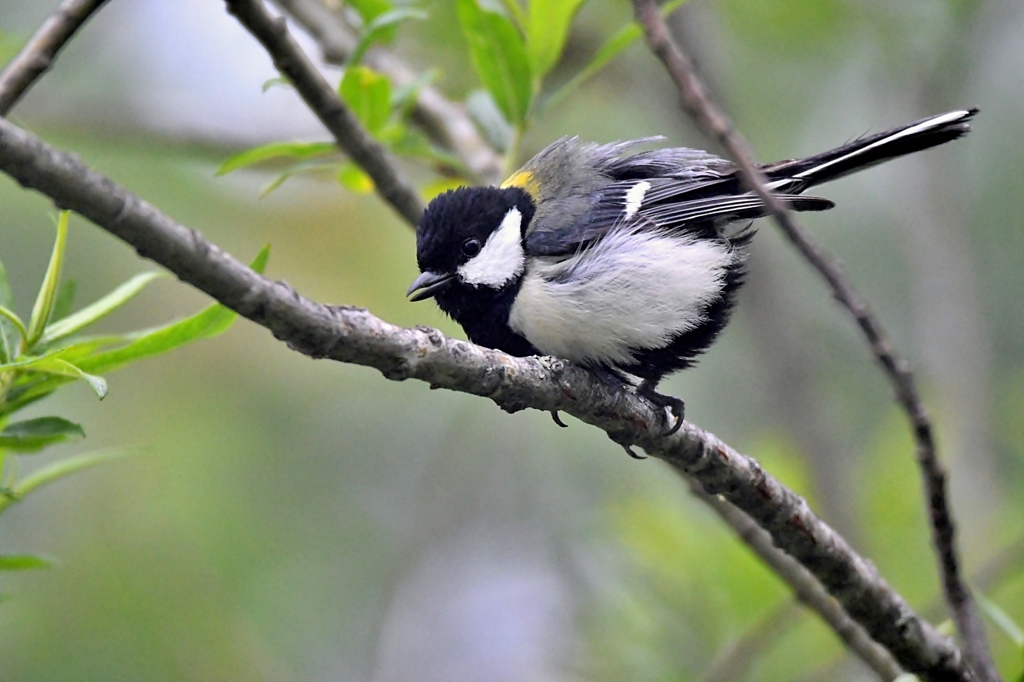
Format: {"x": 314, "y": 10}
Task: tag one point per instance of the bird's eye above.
{"x": 471, "y": 247}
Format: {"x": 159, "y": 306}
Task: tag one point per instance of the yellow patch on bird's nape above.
{"x": 524, "y": 179}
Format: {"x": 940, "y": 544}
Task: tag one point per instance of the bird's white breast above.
{"x": 627, "y": 293}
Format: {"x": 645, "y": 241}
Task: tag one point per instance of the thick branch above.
{"x": 354, "y": 335}
{"x": 712, "y": 120}
{"x": 39, "y": 53}
{"x": 447, "y": 123}
{"x": 372, "y": 157}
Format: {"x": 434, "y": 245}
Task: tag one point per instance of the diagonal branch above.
{"x": 447, "y": 123}
{"x": 355, "y": 336}
{"x": 354, "y": 140}
{"x": 39, "y": 53}
{"x": 697, "y": 102}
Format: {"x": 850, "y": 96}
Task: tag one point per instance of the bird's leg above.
{"x": 675, "y": 406}
{"x": 609, "y": 377}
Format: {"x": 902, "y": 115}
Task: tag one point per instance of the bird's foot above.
{"x": 675, "y": 406}
{"x": 558, "y": 420}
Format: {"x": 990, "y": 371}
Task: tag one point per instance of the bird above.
{"x": 625, "y": 263}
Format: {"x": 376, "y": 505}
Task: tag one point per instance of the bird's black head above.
{"x": 469, "y": 247}
{"x": 473, "y": 235}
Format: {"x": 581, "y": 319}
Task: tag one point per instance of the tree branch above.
{"x": 39, "y": 53}
{"x": 355, "y": 336}
{"x": 372, "y": 157}
{"x": 696, "y": 101}
{"x": 447, "y": 123}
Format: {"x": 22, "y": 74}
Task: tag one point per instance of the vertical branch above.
{"x": 39, "y": 53}
{"x": 697, "y": 102}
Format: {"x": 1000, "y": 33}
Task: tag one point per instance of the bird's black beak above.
{"x": 428, "y": 285}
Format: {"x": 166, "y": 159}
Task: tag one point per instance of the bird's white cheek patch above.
{"x": 502, "y": 257}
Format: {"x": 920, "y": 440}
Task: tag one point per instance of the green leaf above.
{"x": 547, "y": 30}
{"x": 30, "y": 387}
{"x": 499, "y": 57}
{"x": 210, "y": 321}
{"x": 89, "y": 355}
{"x": 24, "y": 562}
{"x": 299, "y": 169}
{"x": 10, "y": 334}
{"x": 34, "y": 434}
{"x": 355, "y": 179}
{"x": 381, "y": 29}
{"x": 59, "y": 367}
{"x": 1001, "y": 619}
{"x": 280, "y": 81}
{"x": 612, "y": 48}
{"x": 370, "y": 9}
{"x": 106, "y": 305}
{"x": 274, "y": 150}
{"x": 56, "y": 471}
{"x": 48, "y": 292}
{"x": 368, "y": 94}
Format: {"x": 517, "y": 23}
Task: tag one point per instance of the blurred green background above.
{"x": 287, "y": 519}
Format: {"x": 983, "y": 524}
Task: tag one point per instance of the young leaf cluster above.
{"x": 513, "y": 53}
{"x": 50, "y": 350}
{"x": 513, "y": 49}
{"x": 383, "y": 110}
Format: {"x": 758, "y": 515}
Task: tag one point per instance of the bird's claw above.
{"x": 558, "y": 420}
{"x": 629, "y": 451}
{"x": 675, "y": 407}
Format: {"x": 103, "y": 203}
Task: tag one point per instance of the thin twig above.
{"x": 353, "y": 335}
{"x": 354, "y": 140}
{"x": 447, "y": 123}
{"x": 39, "y": 53}
{"x": 805, "y": 588}
{"x": 712, "y": 120}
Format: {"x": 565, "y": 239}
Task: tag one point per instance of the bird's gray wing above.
{"x": 669, "y": 205}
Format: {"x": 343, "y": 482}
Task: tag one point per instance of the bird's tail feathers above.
{"x": 800, "y": 174}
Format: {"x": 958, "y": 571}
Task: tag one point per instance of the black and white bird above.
{"x": 624, "y": 263}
